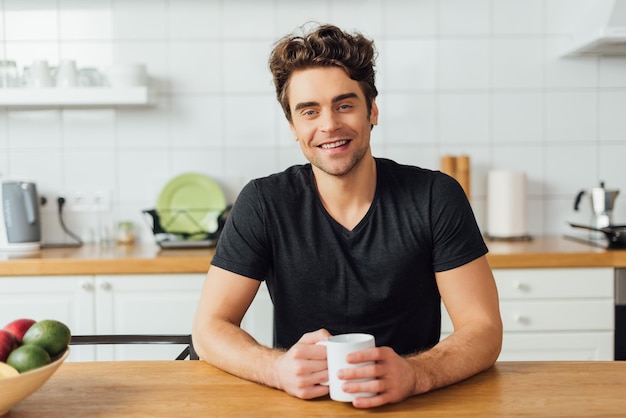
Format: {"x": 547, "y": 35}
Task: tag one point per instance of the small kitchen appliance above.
{"x": 20, "y": 226}
{"x": 615, "y": 235}
{"x": 602, "y": 204}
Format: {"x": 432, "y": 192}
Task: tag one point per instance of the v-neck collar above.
{"x": 336, "y": 225}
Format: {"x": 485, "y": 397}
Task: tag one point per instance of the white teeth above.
{"x": 334, "y": 144}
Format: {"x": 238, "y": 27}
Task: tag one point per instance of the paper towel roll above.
{"x": 506, "y": 204}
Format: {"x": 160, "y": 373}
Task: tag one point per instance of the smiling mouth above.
{"x": 335, "y": 144}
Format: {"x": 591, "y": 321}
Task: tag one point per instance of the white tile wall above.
{"x": 482, "y": 77}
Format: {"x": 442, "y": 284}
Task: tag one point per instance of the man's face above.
{"x": 329, "y": 118}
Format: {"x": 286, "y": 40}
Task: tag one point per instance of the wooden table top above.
{"x": 148, "y": 258}
{"x": 193, "y": 388}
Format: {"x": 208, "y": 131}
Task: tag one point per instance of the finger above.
{"x": 369, "y": 402}
{"x": 370, "y": 354}
{"x": 312, "y": 378}
{"x": 315, "y": 336}
{"x": 312, "y": 392}
{"x": 369, "y": 371}
{"x": 373, "y": 386}
{"x": 370, "y": 386}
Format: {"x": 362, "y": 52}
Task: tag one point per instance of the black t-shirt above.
{"x": 378, "y": 278}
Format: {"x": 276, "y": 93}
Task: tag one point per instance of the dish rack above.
{"x": 164, "y": 224}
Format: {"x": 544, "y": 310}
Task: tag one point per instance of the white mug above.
{"x": 39, "y": 75}
{"x": 337, "y": 349}
{"x": 67, "y": 74}
{"x": 127, "y": 75}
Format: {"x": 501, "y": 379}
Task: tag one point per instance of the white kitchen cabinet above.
{"x": 117, "y": 304}
{"x": 554, "y": 313}
{"x": 68, "y": 299}
{"x": 121, "y": 304}
{"x": 144, "y": 304}
{"x": 557, "y": 346}
{"x": 162, "y": 304}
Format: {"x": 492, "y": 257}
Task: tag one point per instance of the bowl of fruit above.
{"x": 30, "y": 352}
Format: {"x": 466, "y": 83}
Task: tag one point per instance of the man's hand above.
{"x": 394, "y": 377}
{"x": 301, "y": 369}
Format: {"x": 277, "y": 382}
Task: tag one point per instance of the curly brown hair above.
{"x": 325, "y": 46}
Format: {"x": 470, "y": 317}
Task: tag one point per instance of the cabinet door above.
{"x": 554, "y": 283}
{"x": 557, "y": 347}
{"x": 145, "y": 304}
{"x": 66, "y": 299}
{"x": 554, "y": 314}
{"x": 558, "y": 315}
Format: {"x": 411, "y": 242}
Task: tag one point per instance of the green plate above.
{"x": 190, "y": 203}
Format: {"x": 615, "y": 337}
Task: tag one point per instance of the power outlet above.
{"x": 88, "y": 201}
{"x": 102, "y": 201}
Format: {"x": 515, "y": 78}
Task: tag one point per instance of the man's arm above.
{"x": 471, "y": 298}
{"x": 219, "y": 340}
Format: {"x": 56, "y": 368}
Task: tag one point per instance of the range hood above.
{"x": 602, "y": 30}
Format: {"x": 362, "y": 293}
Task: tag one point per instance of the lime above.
{"x": 49, "y": 334}
{"x": 28, "y": 357}
{"x": 7, "y": 371}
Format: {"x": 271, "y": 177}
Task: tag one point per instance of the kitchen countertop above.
{"x": 196, "y": 389}
{"x": 150, "y": 259}
{"x": 96, "y": 259}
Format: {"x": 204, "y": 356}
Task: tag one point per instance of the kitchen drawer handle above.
{"x": 524, "y": 287}
{"x": 105, "y": 286}
{"x": 86, "y": 285}
{"x": 522, "y": 319}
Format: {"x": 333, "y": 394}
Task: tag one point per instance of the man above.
{"x": 348, "y": 243}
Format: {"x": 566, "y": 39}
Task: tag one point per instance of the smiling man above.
{"x": 348, "y": 243}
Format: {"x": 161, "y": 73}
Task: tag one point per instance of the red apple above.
{"x": 19, "y": 327}
{"x": 8, "y": 343}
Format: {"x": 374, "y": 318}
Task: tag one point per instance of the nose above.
{"x": 329, "y": 121}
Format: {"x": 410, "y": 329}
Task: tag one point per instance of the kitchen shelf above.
{"x": 76, "y": 97}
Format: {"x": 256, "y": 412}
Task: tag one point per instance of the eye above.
{"x": 345, "y": 106}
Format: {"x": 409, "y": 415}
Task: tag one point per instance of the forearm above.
{"x": 230, "y": 348}
{"x": 464, "y": 353}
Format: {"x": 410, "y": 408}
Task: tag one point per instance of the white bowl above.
{"x": 17, "y": 388}
{"x": 127, "y": 75}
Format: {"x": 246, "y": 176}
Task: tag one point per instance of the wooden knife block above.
{"x": 458, "y": 167}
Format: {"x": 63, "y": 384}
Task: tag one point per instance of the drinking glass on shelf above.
{"x": 90, "y": 77}
{"x": 8, "y": 74}
{"x": 25, "y": 80}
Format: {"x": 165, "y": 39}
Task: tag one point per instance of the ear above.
{"x": 293, "y": 131}
{"x": 374, "y": 113}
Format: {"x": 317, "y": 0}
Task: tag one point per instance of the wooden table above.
{"x": 195, "y": 389}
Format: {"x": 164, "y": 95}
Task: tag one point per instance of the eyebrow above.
{"x": 335, "y": 100}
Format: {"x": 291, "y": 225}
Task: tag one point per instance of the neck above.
{"x": 348, "y": 198}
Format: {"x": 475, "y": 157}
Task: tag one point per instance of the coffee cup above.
{"x": 67, "y": 74}
{"x": 127, "y": 75}
{"x": 39, "y": 74}
{"x": 337, "y": 349}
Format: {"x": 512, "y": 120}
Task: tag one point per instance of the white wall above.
{"x": 481, "y": 77}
